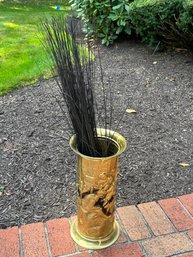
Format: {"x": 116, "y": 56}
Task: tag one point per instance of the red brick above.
{"x": 9, "y": 242}
{"x": 59, "y": 237}
{"x": 156, "y": 219}
{"x": 180, "y": 218}
{"x": 133, "y": 223}
{"x": 81, "y": 255}
{"x": 34, "y": 240}
{"x": 129, "y": 250}
{"x": 190, "y": 234}
{"x": 187, "y": 201}
{"x": 121, "y": 238}
{"x": 187, "y": 255}
{"x": 167, "y": 245}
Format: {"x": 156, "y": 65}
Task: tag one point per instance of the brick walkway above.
{"x": 155, "y": 229}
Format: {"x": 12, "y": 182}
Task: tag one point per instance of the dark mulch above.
{"x": 37, "y": 174}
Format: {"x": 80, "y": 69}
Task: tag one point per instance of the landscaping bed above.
{"x": 37, "y": 167}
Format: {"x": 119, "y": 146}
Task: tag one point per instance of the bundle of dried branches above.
{"x": 74, "y": 63}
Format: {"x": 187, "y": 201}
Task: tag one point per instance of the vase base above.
{"x": 94, "y": 244}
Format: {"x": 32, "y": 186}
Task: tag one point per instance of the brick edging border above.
{"x": 154, "y": 229}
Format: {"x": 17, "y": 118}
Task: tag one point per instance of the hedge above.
{"x": 165, "y": 21}
{"x": 105, "y": 19}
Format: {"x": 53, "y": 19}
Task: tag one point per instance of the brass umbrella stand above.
{"x": 95, "y": 226}
{"x": 97, "y": 150}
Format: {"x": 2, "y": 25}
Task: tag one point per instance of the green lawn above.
{"x": 22, "y": 58}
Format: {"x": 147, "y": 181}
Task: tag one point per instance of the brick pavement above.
{"x": 154, "y": 229}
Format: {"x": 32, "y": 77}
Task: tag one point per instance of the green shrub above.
{"x": 34, "y": 2}
{"x": 105, "y": 19}
{"x": 186, "y": 19}
{"x": 166, "y": 21}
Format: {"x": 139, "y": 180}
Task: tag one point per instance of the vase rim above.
{"x": 108, "y": 134}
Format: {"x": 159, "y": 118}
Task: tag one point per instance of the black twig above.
{"x": 73, "y": 60}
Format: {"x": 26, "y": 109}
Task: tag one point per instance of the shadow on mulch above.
{"x": 37, "y": 172}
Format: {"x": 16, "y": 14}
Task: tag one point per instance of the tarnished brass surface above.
{"x": 96, "y": 184}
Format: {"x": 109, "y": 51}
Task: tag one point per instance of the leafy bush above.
{"x": 33, "y": 2}
{"x": 106, "y": 19}
{"x": 167, "y": 21}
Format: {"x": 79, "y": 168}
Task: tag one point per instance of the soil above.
{"x": 37, "y": 168}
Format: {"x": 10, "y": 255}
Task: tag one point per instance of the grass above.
{"x": 23, "y": 60}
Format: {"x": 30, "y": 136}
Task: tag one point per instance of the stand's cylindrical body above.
{"x": 95, "y": 226}
{"x": 97, "y": 180}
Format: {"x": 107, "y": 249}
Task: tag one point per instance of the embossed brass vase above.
{"x": 95, "y": 226}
